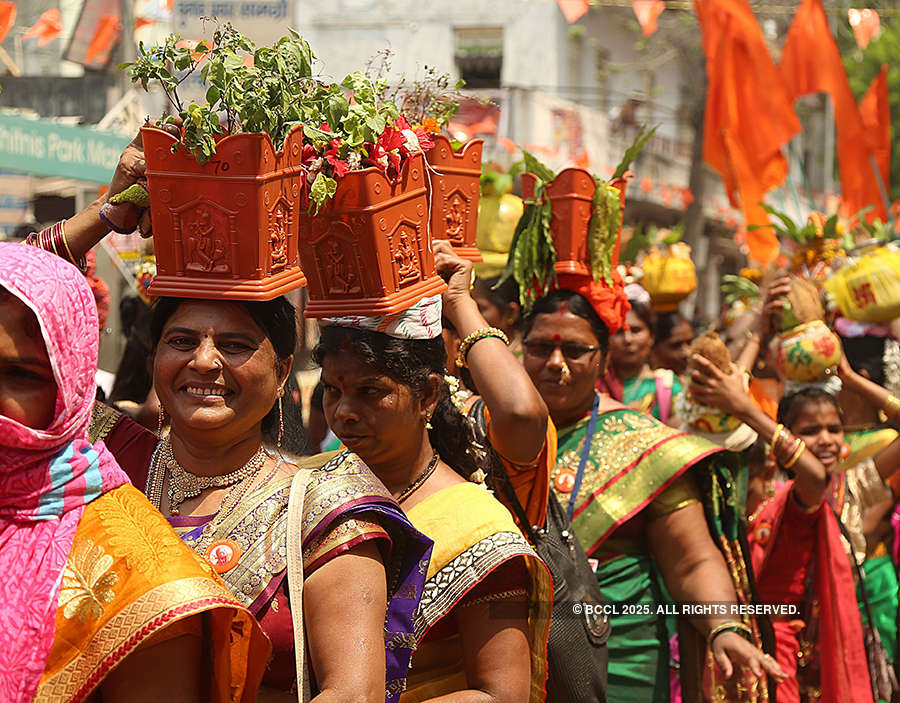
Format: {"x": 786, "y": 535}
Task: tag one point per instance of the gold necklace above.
{"x": 184, "y": 485}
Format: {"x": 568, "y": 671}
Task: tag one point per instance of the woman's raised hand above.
{"x": 774, "y": 300}
{"x": 457, "y": 272}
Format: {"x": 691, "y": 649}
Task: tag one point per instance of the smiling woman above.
{"x": 222, "y": 479}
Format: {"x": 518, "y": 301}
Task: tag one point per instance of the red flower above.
{"x": 339, "y": 165}
{"x": 402, "y": 123}
{"x": 425, "y": 140}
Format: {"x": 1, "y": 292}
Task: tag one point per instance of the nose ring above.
{"x": 565, "y": 374}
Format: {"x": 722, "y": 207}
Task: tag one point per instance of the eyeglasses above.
{"x": 572, "y": 351}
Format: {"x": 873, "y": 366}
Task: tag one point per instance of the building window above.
{"x": 479, "y": 55}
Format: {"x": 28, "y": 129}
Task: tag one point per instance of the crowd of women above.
{"x": 214, "y": 558}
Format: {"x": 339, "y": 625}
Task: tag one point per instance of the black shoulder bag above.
{"x": 576, "y": 650}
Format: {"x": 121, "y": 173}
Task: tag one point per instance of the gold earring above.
{"x": 161, "y": 421}
{"x": 280, "y": 424}
{"x": 428, "y": 425}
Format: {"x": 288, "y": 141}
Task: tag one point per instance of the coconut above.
{"x": 803, "y": 305}
{"x": 710, "y": 346}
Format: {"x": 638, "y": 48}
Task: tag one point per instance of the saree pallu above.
{"x": 344, "y": 505}
{"x": 130, "y": 582}
{"x": 473, "y": 536}
{"x": 633, "y": 459}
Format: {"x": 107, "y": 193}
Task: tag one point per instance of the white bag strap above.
{"x": 295, "y": 577}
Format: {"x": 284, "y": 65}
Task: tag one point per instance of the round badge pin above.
{"x": 564, "y": 481}
{"x": 223, "y": 554}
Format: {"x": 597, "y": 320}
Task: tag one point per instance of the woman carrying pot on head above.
{"x": 481, "y": 629}
{"x": 219, "y": 371}
{"x": 629, "y": 378}
{"x": 795, "y": 535}
{"x": 100, "y": 597}
{"x": 636, "y": 490}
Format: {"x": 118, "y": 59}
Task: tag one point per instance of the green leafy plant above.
{"x": 273, "y": 89}
{"x": 738, "y": 288}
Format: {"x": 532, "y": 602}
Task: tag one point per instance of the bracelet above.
{"x": 795, "y": 457}
{"x": 891, "y": 405}
{"x": 776, "y": 436}
{"x": 53, "y": 240}
{"x": 485, "y": 332}
{"x": 728, "y": 626}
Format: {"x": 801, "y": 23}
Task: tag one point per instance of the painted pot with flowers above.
{"x": 224, "y": 196}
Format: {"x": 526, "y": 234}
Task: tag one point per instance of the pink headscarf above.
{"x": 46, "y": 476}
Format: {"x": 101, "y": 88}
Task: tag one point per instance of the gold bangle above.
{"x": 795, "y": 457}
{"x": 891, "y": 405}
{"x": 485, "y": 332}
{"x": 728, "y": 626}
{"x": 776, "y": 435}
{"x": 65, "y": 241}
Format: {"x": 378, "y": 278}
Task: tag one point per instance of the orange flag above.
{"x": 7, "y": 18}
{"x": 647, "y": 13}
{"x": 47, "y": 28}
{"x": 573, "y": 9}
{"x": 749, "y": 115}
{"x": 811, "y": 63}
{"x": 875, "y": 111}
{"x": 106, "y": 36}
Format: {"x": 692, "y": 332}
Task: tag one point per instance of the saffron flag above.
{"x": 865, "y": 23}
{"x": 875, "y": 111}
{"x": 749, "y": 115}
{"x": 106, "y": 36}
{"x": 7, "y": 18}
{"x": 573, "y": 9}
{"x": 811, "y": 63}
{"x": 647, "y": 13}
{"x": 47, "y": 28}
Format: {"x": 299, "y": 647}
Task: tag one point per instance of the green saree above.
{"x": 633, "y": 459}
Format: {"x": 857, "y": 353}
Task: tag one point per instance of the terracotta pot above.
{"x": 808, "y": 353}
{"x": 455, "y": 185}
{"x": 227, "y": 229}
{"x": 571, "y": 194}
{"x": 367, "y": 252}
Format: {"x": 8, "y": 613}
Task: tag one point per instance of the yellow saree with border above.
{"x": 473, "y": 535}
{"x": 129, "y": 582}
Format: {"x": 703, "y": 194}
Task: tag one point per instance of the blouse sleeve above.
{"x": 345, "y": 534}
{"x": 531, "y": 481}
{"x": 681, "y": 493}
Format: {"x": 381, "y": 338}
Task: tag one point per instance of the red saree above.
{"x": 785, "y": 543}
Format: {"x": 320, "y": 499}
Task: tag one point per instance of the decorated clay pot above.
{"x": 808, "y": 353}
{"x": 455, "y": 185}
{"x": 867, "y": 289}
{"x": 571, "y": 194}
{"x": 669, "y": 277}
{"x": 227, "y": 229}
{"x": 367, "y": 251}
